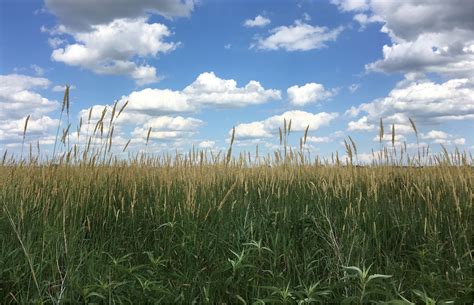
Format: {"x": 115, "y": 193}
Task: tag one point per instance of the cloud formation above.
{"x": 424, "y": 101}
{"x": 270, "y": 126}
{"x": 207, "y": 90}
{"x": 40, "y": 128}
{"x": 82, "y": 14}
{"x": 111, "y": 48}
{"x": 427, "y": 36}
{"x": 441, "y": 137}
{"x": 258, "y": 21}
{"x": 168, "y": 128}
{"x": 207, "y": 144}
{"x": 308, "y": 94}
{"x": 297, "y": 37}
{"x": 18, "y": 99}
{"x": 154, "y": 107}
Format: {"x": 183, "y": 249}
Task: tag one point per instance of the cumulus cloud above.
{"x": 270, "y": 126}
{"x": 441, "y": 137}
{"x": 424, "y": 101}
{"x": 207, "y": 144}
{"x": 153, "y": 108}
{"x": 111, "y": 48}
{"x": 167, "y": 127}
{"x": 206, "y": 91}
{"x": 17, "y": 98}
{"x": 427, "y": 36}
{"x": 365, "y": 20}
{"x": 81, "y": 14}
{"x": 351, "y": 5}
{"x": 297, "y": 37}
{"x": 258, "y": 21}
{"x": 448, "y": 53}
{"x": 307, "y": 94}
{"x": 361, "y": 124}
{"x": 168, "y": 123}
{"x": 135, "y": 126}
{"x": 435, "y": 134}
{"x": 39, "y": 128}
{"x": 158, "y": 101}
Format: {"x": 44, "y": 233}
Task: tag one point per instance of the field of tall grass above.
{"x": 87, "y": 227}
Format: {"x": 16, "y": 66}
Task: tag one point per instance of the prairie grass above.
{"x": 85, "y": 227}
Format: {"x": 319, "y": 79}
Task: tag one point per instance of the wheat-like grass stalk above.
{"x": 24, "y": 135}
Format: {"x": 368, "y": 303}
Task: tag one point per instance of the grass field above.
{"x": 218, "y": 229}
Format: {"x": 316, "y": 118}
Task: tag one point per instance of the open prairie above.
{"x": 236, "y": 152}
{"x": 211, "y": 228}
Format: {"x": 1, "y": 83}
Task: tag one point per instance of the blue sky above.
{"x": 191, "y": 70}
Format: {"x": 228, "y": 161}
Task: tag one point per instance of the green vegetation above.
{"x": 210, "y": 229}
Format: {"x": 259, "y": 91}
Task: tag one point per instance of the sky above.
{"x": 191, "y": 70}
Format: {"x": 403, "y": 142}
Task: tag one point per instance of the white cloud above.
{"x": 319, "y": 139}
{"x": 59, "y": 88}
{"x": 325, "y": 139}
{"x": 149, "y": 107}
{"x": 17, "y": 98}
{"x": 258, "y": 21}
{"x": 167, "y": 127}
{"x": 169, "y": 123}
{"x": 399, "y": 138}
{"x": 449, "y": 53}
{"x": 208, "y": 89}
{"x": 366, "y": 158}
{"x": 42, "y": 127}
{"x": 435, "y": 134}
{"x": 459, "y": 141}
{"x": 268, "y": 127}
{"x": 424, "y": 101}
{"x": 427, "y": 36}
{"x": 17, "y": 101}
{"x": 56, "y": 42}
{"x": 80, "y": 14}
{"x": 297, "y": 37}
{"x": 351, "y": 5}
{"x": 207, "y": 144}
{"x": 441, "y": 137}
{"x": 158, "y": 101}
{"x": 251, "y": 130}
{"x": 361, "y": 124}
{"x": 309, "y": 93}
{"x": 111, "y": 48}
{"x": 364, "y": 20}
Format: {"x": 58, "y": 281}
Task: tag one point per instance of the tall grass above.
{"x": 86, "y": 226}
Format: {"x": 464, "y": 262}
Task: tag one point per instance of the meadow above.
{"x": 87, "y": 227}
